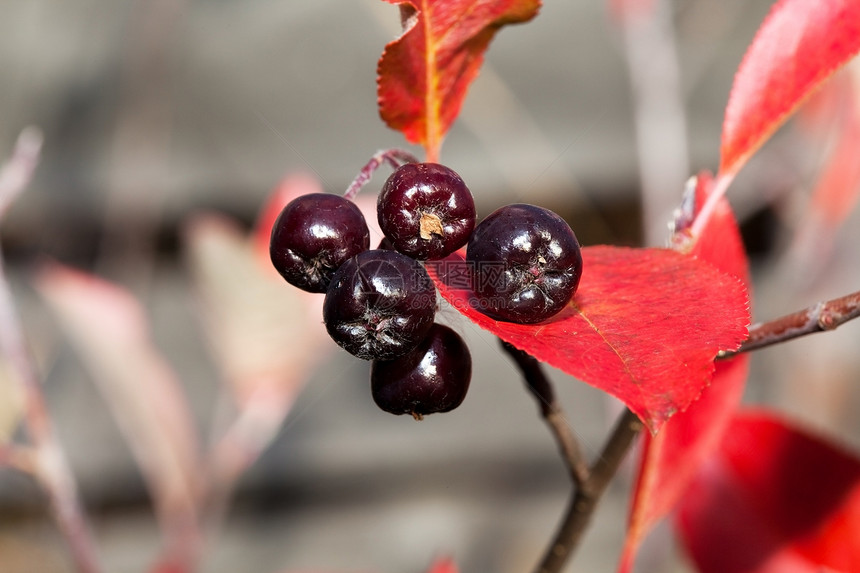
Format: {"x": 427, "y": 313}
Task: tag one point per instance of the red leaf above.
{"x": 645, "y": 325}
{"x": 671, "y": 458}
{"x": 839, "y": 185}
{"x": 797, "y": 47}
{"x": 774, "y": 499}
{"x": 423, "y": 75}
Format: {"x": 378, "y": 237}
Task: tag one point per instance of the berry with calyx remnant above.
{"x": 426, "y": 210}
{"x": 379, "y": 305}
{"x": 527, "y": 263}
{"x": 434, "y": 377}
{"x": 313, "y": 236}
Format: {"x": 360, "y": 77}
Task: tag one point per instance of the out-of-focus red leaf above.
{"x": 645, "y": 325}
{"x": 110, "y": 331}
{"x": 797, "y": 47}
{"x": 671, "y": 458}
{"x": 424, "y": 74}
{"x": 773, "y": 499}
{"x": 824, "y": 106}
{"x": 838, "y": 187}
{"x": 443, "y": 565}
{"x": 266, "y": 335}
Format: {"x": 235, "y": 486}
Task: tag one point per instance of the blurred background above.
{"x": 154, "y": 112}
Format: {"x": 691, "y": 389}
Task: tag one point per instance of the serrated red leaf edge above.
{"x": 670, "y": 460}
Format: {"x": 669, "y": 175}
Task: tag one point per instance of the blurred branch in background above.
{"x": 651, "y": 53}
{"x": 47, "y": 460}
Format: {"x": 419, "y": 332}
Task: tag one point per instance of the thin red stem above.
{"x": 394, "y": 157}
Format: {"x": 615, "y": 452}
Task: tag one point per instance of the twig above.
{"x": 584, "y": 501}
{"x": 541, "y": 388}
{"x": 819, "y": 317}
{"x": 394, "y": 157}
{"x": 589, "y": 483}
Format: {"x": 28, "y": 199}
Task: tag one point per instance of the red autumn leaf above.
{"x": 774, "y": 499}
{"x": 423, "y": 75}
{"x": 670, "y": 459}
{"x": 645, "y": 325}
{"x": 799, "y": 45}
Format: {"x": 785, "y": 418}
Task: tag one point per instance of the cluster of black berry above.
{"x": 380, "y": 304}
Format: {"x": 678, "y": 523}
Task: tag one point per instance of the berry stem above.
{"x": 394, "y": 157}
{"x": 820, "y": 317}
{"x": 541, "y": 388}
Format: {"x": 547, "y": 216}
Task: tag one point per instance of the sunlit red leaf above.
{"x": 773, "y": 499}
{"x": 671, "y": 458}
{"x": 797, "y": 47}
{"x": 645, "y": 325}
{"x": 424, "y": 74}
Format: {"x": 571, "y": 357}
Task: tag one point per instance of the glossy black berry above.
{"x": 426, "y": 210}
{"x": 527, "y": 263}
{"x": 379, "y": 305}
{"x": 313, "y": 236}
{"x": 432, "y": 378}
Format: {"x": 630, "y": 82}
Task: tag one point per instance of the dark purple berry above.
{"x": 527, "y": 263}
{"x": 379, "y": 305}
{"x": 313, "y": 236}
{"x": 426, "y": 210}
{"x": 432, "y": 378}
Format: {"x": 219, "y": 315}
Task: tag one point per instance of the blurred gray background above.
{"x": 154, "y": 110}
